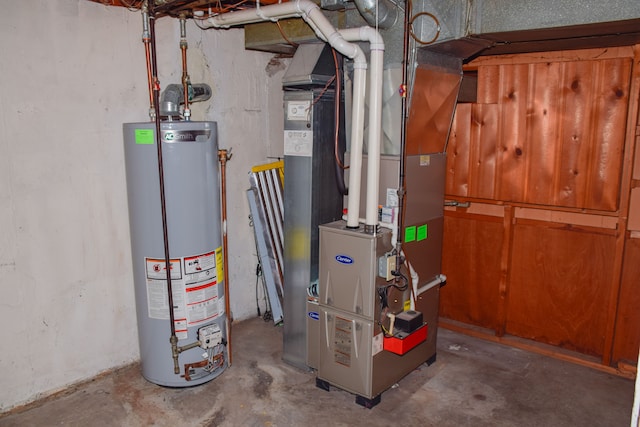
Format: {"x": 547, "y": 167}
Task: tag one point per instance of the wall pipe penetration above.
{"x": 340, "y": 40}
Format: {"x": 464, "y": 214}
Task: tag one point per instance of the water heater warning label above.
{"x": 157, "y": 293}
{"x": 194, "y": 284}
{"x": 202, "y": 302}
{"x": 200, "y": 265}
{"x": 157, "y": 270}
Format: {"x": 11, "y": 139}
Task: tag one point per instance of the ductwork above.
{"x": 463, "y": 28}
{"x": 378, "y": 13}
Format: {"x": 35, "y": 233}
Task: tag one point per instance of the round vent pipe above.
{"x": 378, "y": 13}
{"x": 173, "y": 96}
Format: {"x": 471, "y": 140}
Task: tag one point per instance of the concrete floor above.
{"x": 473, "y": 383}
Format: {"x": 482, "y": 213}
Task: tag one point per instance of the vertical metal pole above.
{"x": 403, "y": 136}
{"x": 173, "y": 340}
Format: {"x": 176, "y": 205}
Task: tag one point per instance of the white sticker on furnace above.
{"x": 377, "y": 344}
{"x": 392, "y": 197}
{"x": 298, "y": 110}
{"x": 298, "y": 143}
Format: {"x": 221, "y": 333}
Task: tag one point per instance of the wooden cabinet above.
{"x": 549, "y": 248}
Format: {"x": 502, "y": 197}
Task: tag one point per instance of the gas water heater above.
{"x": 192, "y": 201}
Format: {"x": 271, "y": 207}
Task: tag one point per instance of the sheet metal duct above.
{"x": 465, "y": 28}
{"x": 311, "y": 65}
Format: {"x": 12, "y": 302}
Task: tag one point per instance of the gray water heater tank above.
{"x": 192, "y": 195}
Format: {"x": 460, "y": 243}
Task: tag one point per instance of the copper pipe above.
{"x": 147, "y": 53}
{"x": 223, "y": 156}
{"x": 188, "y": 366}
{"x": 185, "y": 76}
{"x": 146, "y": 39}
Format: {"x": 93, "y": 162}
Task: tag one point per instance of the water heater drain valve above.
{"x": 209, "y": 336}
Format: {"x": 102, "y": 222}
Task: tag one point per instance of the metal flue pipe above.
{"x": 378, "y": 13}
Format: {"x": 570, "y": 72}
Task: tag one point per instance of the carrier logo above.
{"x": 314, "y": 315}
{"x": 344, "y": 259}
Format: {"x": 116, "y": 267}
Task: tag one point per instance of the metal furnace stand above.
{"x": 359, "y": 348}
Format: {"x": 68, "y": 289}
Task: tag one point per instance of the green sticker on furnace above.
{"x": 422, "y": 232}
{"x": 410, "y": 234}
{"x": 144, "y": 136}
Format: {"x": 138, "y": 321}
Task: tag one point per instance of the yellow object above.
{"x": 219, "y": 265}
{"x": 274, "y": 165}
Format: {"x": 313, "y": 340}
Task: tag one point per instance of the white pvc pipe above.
{"x": 341, "y": 41}
{"x": 438, "y": 280}
{"x": 375, "y": 116}
{"x": 635, "y": 411}
{"x": 305, "y": 9}
{"x": 357, "y": 134}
